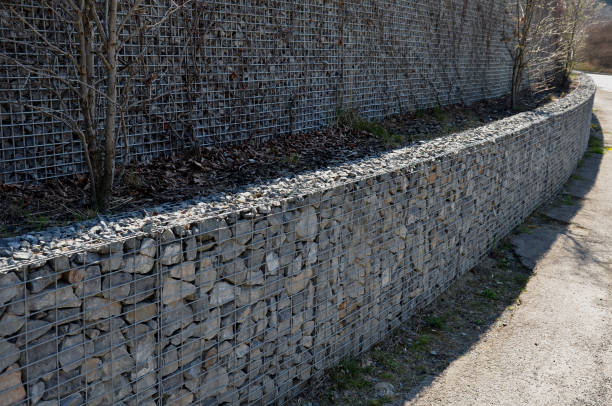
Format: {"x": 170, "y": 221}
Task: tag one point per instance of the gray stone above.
{"x": 222, "y": 293}
{"x": 175, "y": 316}
{"x": 174, "y": 290}
{"x": 307, "y": 224}
{"x": 61, "y": 297}
{"x": 9, "y": 354}
{"x": 91, "y": 282}
{"x": 231, "y": 249}
{"x": 172, "y": 254}
{"x": 36, "y": 391}
{"x": 138, "y": 264}
{"x": 117, "y": 362}
{"x": 243, "y": 231}
{"x": 235, "y": 271}
{"x": 148, "y": 247}
{"x": 32, "y": 330}
{"x": 116, "y": 286}
{"x": 205, "y": 279}
{"x": 384, "y": 389}
{"x": 184, "y": 271}
{"x": 140, "y": 312}
{"x": 41, "y": 278}
{"x": 75, "y": 399}
{"x": 249, "y": 295}
{"x": 169, "y": 360}
{"x": 214, "y": 383}
{"x": 143, "y": 287}
{"x": 91, "y": 369}
{"x": 272, "y": 263}
{"x": 96, "y": 308}
{"x": 10, "y": 324}
{"x": 10, "y": 286}
{"x": 297, "y": 283}
{"x": 190, "y": 249}
{"x": 39, "y": 356}
{"x": 71, "y": 352}
{"x": 11, "y": 387}
{"x": 60, "y": 263}
{"x": 181, "y": 398}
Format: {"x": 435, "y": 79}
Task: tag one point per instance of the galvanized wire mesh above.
{"x": 217, "y": 71}
{"x": 246, "y": 307}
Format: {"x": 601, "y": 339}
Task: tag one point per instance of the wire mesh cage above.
{"x": 214, "y": 72}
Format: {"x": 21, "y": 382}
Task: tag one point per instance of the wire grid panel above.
{"x": 215, "y": 72}
{"x": 247, "y": 308}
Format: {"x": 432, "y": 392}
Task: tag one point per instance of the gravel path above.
{"x": 556, "y": 348}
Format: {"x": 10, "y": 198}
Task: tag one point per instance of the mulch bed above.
{"x": 195, "y": 173}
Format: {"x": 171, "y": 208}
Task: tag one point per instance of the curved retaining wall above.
{"x": 242, "y": 298}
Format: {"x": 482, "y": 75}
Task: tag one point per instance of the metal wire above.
{"x": 217, "y": 72}
{"x": 247, "y": 309}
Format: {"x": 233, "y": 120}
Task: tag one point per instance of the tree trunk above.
{"x": 105, "y": 184}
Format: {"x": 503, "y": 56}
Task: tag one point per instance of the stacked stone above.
{"x": 246, "y": 306}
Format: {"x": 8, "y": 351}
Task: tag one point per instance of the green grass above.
{"x": 350, "y": 375}
{"x": 386, "y": 376}
{"x": 351, "y": 118}
{"x": 422, "y": 343}
{"x": 437, "y": 322}
{"x": 565, "y": 200}
{"x": 524, "y": 229}
{"x": 292, "y": 159}
{"x": 385, "y": 359}
{"x": 379, "y": 402}
{"x": 521, "y": 279}
{"x": 489, "y": 294}
{"x": 596, "y": 146}
{"x": 503, "y": 263}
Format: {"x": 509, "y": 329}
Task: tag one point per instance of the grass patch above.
{"x": 521, "y": 279}
{"x": 421, "y": 343}
{"x": 386, "y": 376}
{"x": 350, "y": 375}
{"x": 565, "y": 200}
{"x": 379, "y": 402}
{"x": 385, "y": 359}
{"x": 437, "y": 322}
{"x": 489, "y": 294}
{"x": 596, "y": 146}
{"x": 524, "y": 229}
{"x": 351, "y": 118}
{"x": 292, "y": 160}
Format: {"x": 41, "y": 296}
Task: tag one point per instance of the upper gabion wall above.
{"x": 218, "y": 71}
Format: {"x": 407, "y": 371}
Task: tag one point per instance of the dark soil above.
{"x": 190, "y": 174}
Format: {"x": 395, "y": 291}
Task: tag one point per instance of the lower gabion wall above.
{"x": 244, "y": 307}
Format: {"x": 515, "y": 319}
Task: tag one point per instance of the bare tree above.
{"x": 81, "y": 69}
{"x": 572, "y": 19}
{"x": 531, "y": 44}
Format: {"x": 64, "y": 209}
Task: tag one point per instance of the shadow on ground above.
{"x": 396, "y": 370}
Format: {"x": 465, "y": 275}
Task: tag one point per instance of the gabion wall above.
{"x": 220, "y": 71}
{"x": 246, "y": 306}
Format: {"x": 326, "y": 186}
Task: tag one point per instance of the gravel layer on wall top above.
{"x": 260, "y": 198}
